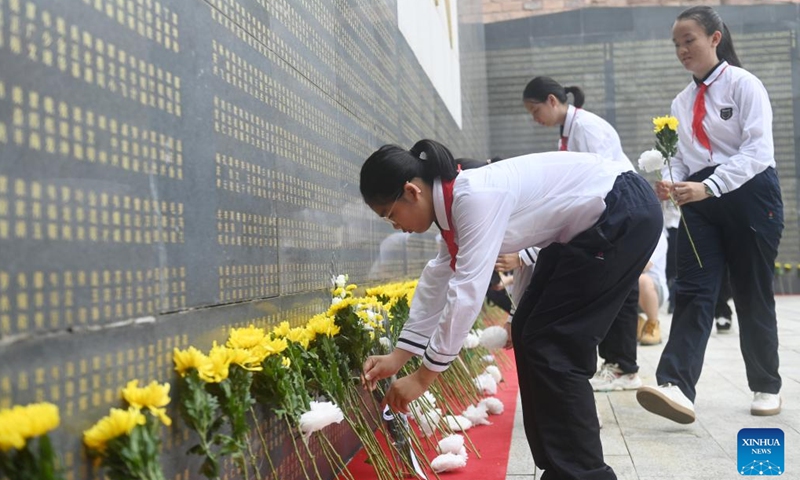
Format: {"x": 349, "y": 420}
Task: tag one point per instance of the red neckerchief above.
{"x": 562, "y": 145}
{"x": 449, "y": 235}
{"x": 699, "y": 113}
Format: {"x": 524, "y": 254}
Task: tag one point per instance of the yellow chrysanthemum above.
{"x": 219, "y": 361}
{"x": 667, "y": 121}
{"x": 154, "y": 397}
{"x": 249, "y": 359}
{"x": 281, "y": 330}
{"x": 344, "y": 304}
{"x": 119, "y": 422}
{"x": 246, "y": 337}
{"x": 322, "y": 324}
{"x": 277, "y": 345}
{"x": 286, "y": 362}
{"x": 300, "y": 335}
{"x": 187, "y": 359}
{"x": 21, "y": 423}
{"x": 351, "y": 287}
{"x": 10, "y": 436}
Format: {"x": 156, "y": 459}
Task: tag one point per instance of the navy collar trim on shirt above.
{"x": 711, "y": 73}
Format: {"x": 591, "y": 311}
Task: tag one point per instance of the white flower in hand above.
{"x": 320, "y": 416}
{"x": 651, "y": 161}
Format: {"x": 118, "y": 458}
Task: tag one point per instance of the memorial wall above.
{"x": 173, "y": 168}
{"x": 625, "y": 61}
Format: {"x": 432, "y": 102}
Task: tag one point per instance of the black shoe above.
{"x": 723, "y": 325}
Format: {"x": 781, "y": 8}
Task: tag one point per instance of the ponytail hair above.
{"x": 540, "y": 88}
{"x": 711, "y": 22}
{"x": 387, "y": 170}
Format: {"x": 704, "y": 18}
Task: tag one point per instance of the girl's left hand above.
{"x": 407, "y": 389}
{"x": 688, "y": 192}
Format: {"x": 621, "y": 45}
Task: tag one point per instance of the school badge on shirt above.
{"x": 726, "y": 113}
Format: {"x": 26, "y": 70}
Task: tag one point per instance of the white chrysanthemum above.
{"x": 458, "y": 423}
{"x": 488, "y": 358}
{"x": 427, "y": 419}
{"x": 486, "y": 384}
{"x": 471, "y": 341}
{"x": 493, "y": 405}
{"x": 651, "y": 160}
{"x": 385, "y": 343}
{"x": 451, "y": 444}
{"x": 340, "y": 281}
{"x": 477, "y": 415}
{"x": 493, "y": 338}
{"x": 335, "y": 300}
{"x": 448, "y": 461}
{"x": 320, "y": 416}
{"x": 494, "y": 372}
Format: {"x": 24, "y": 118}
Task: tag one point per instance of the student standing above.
{"x": 583, "y": 131}
{"x": 725, "y": 180}
{"x": 597, "y": 224}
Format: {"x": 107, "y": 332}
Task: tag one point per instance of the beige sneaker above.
{"x": 640, "y": 327}
{"x": 651, "y": 333}
{"x": 667, "y": 401}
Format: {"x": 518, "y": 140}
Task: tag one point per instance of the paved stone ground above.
{"x": 642, "y": 446}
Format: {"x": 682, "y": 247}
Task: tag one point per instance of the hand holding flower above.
{"x": 663, "y": 189}
{"x": 378, "y": 367}
{"x": 407, "y": 389}
{"x": 688, "y": 192}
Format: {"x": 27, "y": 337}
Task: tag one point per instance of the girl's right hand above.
{"x": 663, "y": 189}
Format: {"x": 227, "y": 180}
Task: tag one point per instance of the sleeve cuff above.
{"x": 412, "y": 342}
{"x": 529, "y": 256}
{"x": 437, "y": 363}
{"x": 715, "y": 184}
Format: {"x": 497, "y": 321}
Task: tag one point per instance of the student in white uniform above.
{"x": 583, "y": 131}
{"x": 597, "y": 225}
{"x": 725, "y": 180}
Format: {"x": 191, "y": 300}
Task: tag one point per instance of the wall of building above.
{"x": 171, "y": 168}
{"x": 501, "y": 10}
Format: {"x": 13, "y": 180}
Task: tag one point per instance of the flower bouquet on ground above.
{"x": 666, "y": 130}
{"x": 26, "y": 452}
{"x": 127, "y": 442}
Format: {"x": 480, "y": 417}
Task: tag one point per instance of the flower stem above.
{"x": 685, "y": 225}
{"x": 264, "y": 445}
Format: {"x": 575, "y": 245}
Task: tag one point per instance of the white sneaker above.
{"x": 610, "y": 377}
{"x": 668, "y": 401}
{"x": 765, "y": 404}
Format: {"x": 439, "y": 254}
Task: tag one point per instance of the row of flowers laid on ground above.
{"x": 308, "y": 376}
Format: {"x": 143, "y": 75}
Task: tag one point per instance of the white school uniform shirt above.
{"x": 587, "y": 132}
{"x": 738, "y": 123}
{"x": 504, "y": 207}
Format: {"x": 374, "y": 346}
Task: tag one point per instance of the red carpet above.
{"x": 491, "y": 441}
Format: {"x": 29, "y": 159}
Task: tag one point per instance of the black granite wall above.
{"x": 169, "y": 168}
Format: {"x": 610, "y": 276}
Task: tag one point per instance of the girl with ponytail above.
{"x": 581, "y": 130}
{"x": 596, "y": 223}
{"x": 725, "y": 180}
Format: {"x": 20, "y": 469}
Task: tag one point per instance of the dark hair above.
{"x": 540, "y": 88}
{"x": 711, "y": 22}
{"x": 387, "y": 170}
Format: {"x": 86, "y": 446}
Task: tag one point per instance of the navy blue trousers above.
{"x": 619, "y": 345}
{"x": 575, "y": 293}
{"x": 741, "y": 229}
